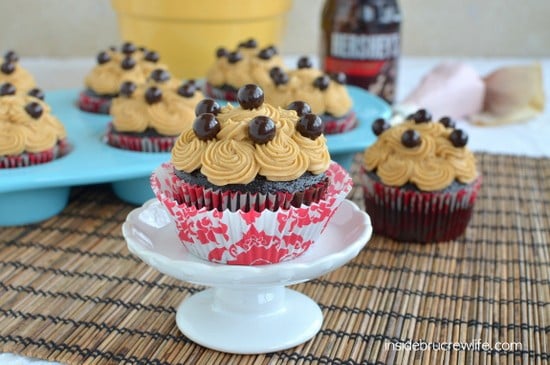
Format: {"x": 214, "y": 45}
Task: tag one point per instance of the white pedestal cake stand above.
{"x": 248, "y": 310}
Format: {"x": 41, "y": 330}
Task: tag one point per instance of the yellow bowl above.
{"x": 187, "y": 33}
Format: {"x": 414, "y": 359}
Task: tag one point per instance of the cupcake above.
{"x": 149, "y": 117}
{"x": 115, "y": 66}
{"x": 29, "y": 134}
{"x": 420, "y": 181}
{"x": 248, "y": 64}
{"x": 251, "y": 184}
{"x": 325, "y": 93}
{"x": 12, "y": 72}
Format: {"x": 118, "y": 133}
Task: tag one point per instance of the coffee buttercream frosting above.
{"x": 237, "y": 153}
{"x": 427, "y": 154}
{"x": 116, "y": 65}
{"x": 155, "y": 105}
{"x": 26, "y": 125}
{"x": 247, "y": 64}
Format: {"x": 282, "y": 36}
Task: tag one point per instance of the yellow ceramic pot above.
{"x": 187, "y": 33}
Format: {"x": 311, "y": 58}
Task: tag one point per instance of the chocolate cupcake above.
{"x": 260, "y": 175}
{"x": 420, "y": 181}
{"x": 115, "y": 66}
{"x": 325, "y": 93}
{"x": 149, "y": 117}
{"x": 29, "y": 133}
{"x": 247, "y": 64}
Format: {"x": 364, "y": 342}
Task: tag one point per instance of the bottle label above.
{"x": 364, "y": 46}
{"x": 368, "y": 60}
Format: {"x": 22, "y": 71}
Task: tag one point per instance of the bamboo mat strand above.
{"x": 71, "y": 292}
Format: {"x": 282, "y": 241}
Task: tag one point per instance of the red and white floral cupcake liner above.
{"x": 218, "y": 93}
{"x": 417, "y": 216}
{"x": 139, "y": 143}
{"x": 35, "y": 158}
{"x": 340, "y": 125}
{"x": 249, "y": 237}
{"x": 93, "y": 103}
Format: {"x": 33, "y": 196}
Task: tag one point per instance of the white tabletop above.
{"x": 530, "y": 138}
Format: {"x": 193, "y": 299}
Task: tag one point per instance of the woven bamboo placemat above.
{"x": 70, "y": 291}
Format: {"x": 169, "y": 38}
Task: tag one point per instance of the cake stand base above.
{"x": 249, "y": 321}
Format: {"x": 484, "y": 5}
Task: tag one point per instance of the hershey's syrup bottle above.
{"x": 361, "y": 38}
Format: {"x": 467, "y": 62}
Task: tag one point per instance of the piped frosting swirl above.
{"x": 170, "y": 115}
{"x": 431, "y": 165}
{"x": 237, "y": 156}
{"x": 21, "y": 132}
{"x": 109, "y": 73}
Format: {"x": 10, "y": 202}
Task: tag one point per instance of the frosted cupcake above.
{"x": 29, "y": 134}
{"x": 12, "y": 72}
{"x": 326, "y": 94}
{"x": 420, "y": 181}
{"x": 251, "y": 184}
{"x": 115, "y": 66}
{"x": 149, "y": 117}
{"x": 248, "y": 64}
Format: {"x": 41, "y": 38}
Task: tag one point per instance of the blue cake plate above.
{"x": 35, "y": 193}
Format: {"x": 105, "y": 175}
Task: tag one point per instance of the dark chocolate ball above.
{"x": 261, "y": 129}
{"x": 250, "y": 43}
{"x": 128, "y": 63}
{"x": 7, "y": 89}
{"x": 300, "y": 107}
{"x": 187, "y": 90}
{"x": 379, "y": 126}
{"x": 234, "y": 57}
{"x": 11, "y": 56}
{"x": 34, "y": 109}
{"x": 206, "y": 126}
{"x": 160, "y": 75}
{"x": 151, "y": 56}
{"x": 221, "y": 52}
{"x": 128, "y": 48}
{"x": 153, "y": 95}
{"x": 127, "y": 88}
{"x": 310, "y": 125}
{"x": 411, "y": 138}
{"x": 265, "y": 54}
{"x": 459, "y": 138}
{"x": 250, "y": 96}
{"x": 7, "y": 67}
{"x": 321, "y": 82}
{"x": 37, "y": 93}
{"x": 422, "y": 116}
{"x": 447, "y": 122}
{"x": 304, "y": 62}
{"x": 339, "y": 77}
{"x": 103, "y": 57}
{"x": 278, "y": 76}
{"x": 207, "y": 106}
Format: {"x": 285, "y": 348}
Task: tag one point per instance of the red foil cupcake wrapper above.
{"x": 218, "y": 93}
{"x": 249, "y": 237}
{"x": 35, "y": 158}
{"x": 416, "y": 216}
{"x": 139, "y": 143}
{"x": 340, "y": 125}
{"x": 94, "y": 104}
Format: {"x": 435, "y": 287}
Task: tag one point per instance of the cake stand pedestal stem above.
{"x": 249, "y": 320}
